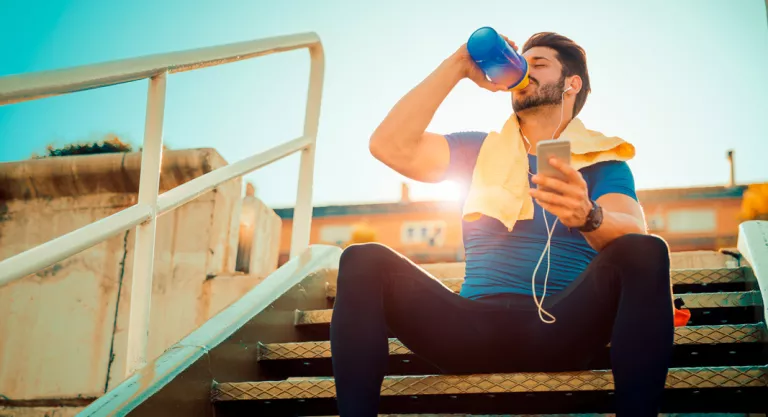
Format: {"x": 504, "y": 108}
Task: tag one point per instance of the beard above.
{"x": 547, "y": 95}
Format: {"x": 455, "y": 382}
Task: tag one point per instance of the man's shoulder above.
{"x": 466, "y": 142}
{"x": 607, "y": 170}
{"x": 464, "y": 148}
{"x": 467, "y": 135}
{"x": 608, "y": 167}
{"x": 610, "y": 177}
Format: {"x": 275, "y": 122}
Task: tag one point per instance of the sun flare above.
{"x": 447, "y": 191}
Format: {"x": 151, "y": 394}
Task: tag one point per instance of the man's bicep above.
{"x": 447, "y": 157}
{"x": 614, "y": 189}
{"x": 440, "y": 157}
{"x": 431, "y": 159}
{"x": 425, "y": 160}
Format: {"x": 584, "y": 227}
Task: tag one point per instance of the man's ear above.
{"x": 575, "y": 83}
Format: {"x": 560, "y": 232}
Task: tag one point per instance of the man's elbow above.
{"x": 389, "y": 152}
{"x": 376, "y": 146}
{"x": 634, "y": 227}
{"x": 642, "y": 227}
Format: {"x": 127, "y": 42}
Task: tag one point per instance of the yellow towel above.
{"x": 499, "y": 187}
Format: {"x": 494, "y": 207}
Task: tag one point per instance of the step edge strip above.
{"x": 691, "y": 335}
{"x": 393, "y": 386}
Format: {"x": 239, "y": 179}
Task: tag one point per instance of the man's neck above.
{"x": 538, "y": 124}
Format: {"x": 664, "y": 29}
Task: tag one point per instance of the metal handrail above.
{"x": 753, "y": 247}
{"x": 143, "y": 215}
{"x": 137, "y": 388}
{"x": 25, "y": 87}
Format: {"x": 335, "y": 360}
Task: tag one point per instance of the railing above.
{"x": 143, "y": 384}
{"x": 753, "y": 246}
{"x": 143, "y": 215}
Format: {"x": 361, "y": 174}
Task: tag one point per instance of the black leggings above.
{"x": 623, "y": 297}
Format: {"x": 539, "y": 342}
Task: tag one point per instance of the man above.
{"x": 609, "y": 281}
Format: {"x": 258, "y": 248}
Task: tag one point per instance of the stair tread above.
{"x": 694, "y": 300}
{"x": 571, "y": 415}
{"x": 722, "y": 299}
{"x": 704, "y": 276}
{"x": 692, "y": 335}
{"x": 393, "y": 386}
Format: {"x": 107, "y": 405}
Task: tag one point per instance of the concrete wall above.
{"x": 64, "y": 328}
{"x": 259, "y": 245}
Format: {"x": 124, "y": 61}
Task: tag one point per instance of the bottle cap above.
{"x": 522, "y": 84}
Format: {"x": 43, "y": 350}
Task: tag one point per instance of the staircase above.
{"x": 719, "y": 362}
{"x": 275, "y": 358}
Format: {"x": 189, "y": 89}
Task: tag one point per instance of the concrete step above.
{"x": 458, "y": 385}
{"x": 693, "y": 335}
{"x": 692, "y": 301}
{"x": 451, "y": 275}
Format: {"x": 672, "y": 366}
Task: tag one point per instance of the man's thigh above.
{"x": 456, "y": 334}
{"x": 584, "y": 316}
{"x": 462, "y": 335}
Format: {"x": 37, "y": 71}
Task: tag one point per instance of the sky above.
{"x": 683, "y": 80}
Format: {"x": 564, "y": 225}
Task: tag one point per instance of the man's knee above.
{"x": 634, "y": 244}
{"x": 363, "y": 254}
{"x": 639, "y": 251}
{"x": 362, "y": 262}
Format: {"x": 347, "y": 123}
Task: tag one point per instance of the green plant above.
{"x": 110, "y": 144}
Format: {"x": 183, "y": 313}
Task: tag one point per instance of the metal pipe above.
{"x": 48, "y": 253}
{"x": 144, "y": 248}
{"x": 302, "y": 215}
{"x": 189, "y": 191}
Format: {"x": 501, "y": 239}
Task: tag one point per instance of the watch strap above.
{"x": 594, "y": 218}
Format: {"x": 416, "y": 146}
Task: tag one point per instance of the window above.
{"x": 335, "y": 235}
{"x": 655, "y": 222}
{"x": 430, "y": 232}
{"x": 692, "y": 221}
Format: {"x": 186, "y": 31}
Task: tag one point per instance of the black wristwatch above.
{"x": 594, "y": 218}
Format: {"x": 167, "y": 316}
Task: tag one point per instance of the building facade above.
{"x": 703, "y": 218}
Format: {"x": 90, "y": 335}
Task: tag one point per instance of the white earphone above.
{"x": 547, "y": 251}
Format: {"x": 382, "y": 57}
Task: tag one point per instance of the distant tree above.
{"x": 754, "y": 204}
{"x": 361, "y": 233}
{"x": 109, "y": 144}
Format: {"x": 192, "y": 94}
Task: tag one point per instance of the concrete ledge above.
{"x": 102, "y": 173}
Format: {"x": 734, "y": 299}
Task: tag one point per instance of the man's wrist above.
{"x": 594, "y": 218}
{"x": 454, "y": 68}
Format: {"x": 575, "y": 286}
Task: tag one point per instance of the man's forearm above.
{"x": 410, "y": 117}
{"x": 615, "y": 224}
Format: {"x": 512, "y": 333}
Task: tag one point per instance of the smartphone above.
{"x": 545, "y": 149}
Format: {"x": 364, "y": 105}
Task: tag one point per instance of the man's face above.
{"x": 546, "y": 81}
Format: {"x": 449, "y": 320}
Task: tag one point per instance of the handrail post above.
{"x": 144, "y": 248}
{"x": 302, "y": 214}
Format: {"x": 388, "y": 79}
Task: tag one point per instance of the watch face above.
{"x": 598, "y": 219}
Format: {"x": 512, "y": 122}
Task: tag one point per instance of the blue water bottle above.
{"x": 497, "y": 59}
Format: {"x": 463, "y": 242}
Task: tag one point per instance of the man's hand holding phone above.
{"x": 566, "y": 197}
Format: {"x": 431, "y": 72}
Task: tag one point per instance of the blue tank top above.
{"x": 501, "y": 262}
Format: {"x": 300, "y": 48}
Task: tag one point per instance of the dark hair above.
{"x": 571, "y": 56}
